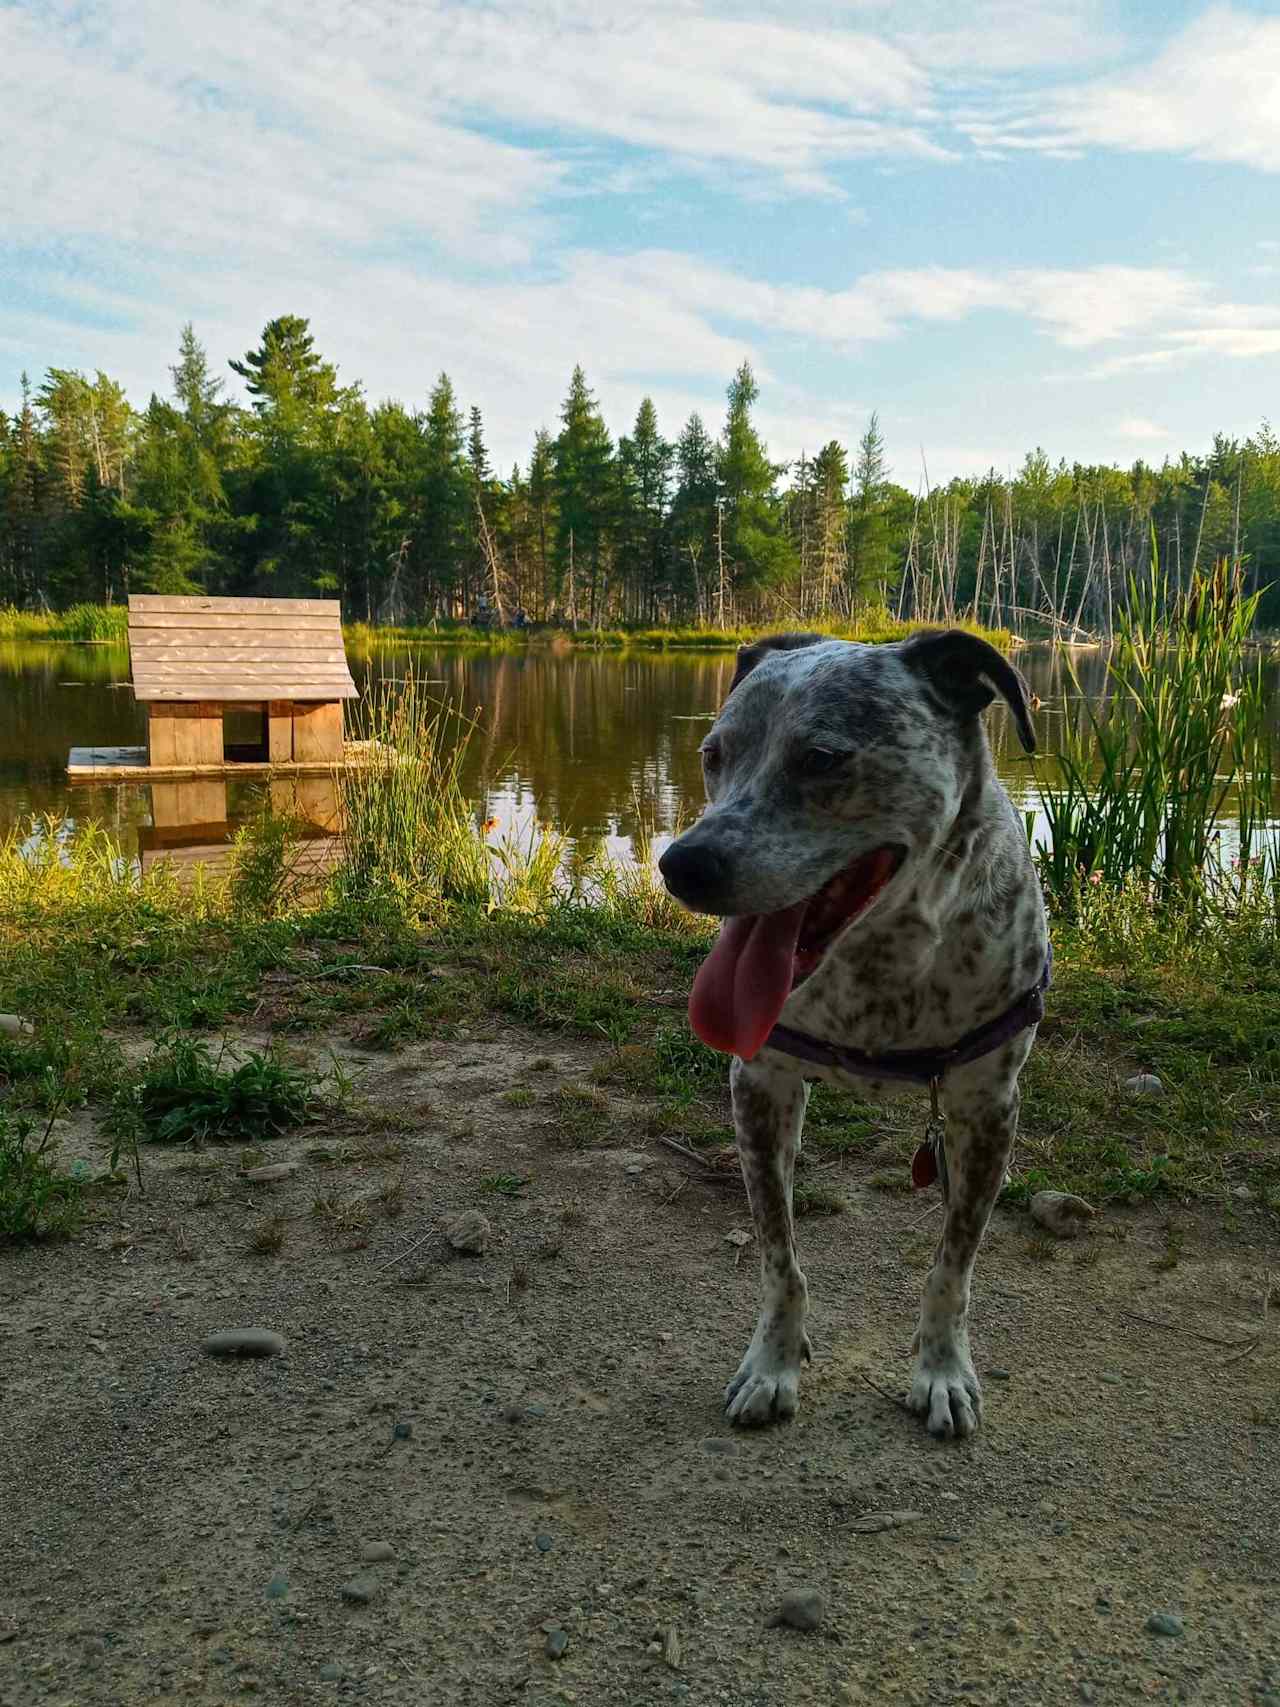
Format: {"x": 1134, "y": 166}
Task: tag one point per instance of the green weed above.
{"x": 184, "y": 1094}
{"x": 37, "y": 1201}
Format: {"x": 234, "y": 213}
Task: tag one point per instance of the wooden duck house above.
{"x": 234, "y": 685}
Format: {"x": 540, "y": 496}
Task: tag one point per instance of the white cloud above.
{"x": 1213, "y": 92}
{"x": 1138, "y": 427}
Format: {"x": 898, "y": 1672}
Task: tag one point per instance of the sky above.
{"x": 1011, "y": 224}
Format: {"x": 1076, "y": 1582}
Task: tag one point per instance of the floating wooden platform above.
{"x": 129, "y": 764}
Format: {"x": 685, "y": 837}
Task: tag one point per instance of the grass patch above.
{"x": 810, "y": 1198}
{"x": 184, "y": 1094}
{"x": 504, "y": 1185}
{"x": 579, "y": 1115}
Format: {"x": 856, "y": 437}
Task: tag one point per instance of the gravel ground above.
{"x": 505, "y": 1477}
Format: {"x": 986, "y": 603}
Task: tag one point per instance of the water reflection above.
{"x": 192, "y": 830}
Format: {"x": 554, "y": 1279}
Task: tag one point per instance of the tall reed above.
{"x": 408, "y": 828}
{"x": 1178, "y": 745}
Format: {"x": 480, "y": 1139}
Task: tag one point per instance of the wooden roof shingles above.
{"x": 237, "y": 649}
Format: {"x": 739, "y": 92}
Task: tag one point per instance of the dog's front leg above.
{"x": 768, "y": 1113}
{"x": 981, "y": 1107}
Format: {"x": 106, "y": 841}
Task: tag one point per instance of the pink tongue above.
{"x": 744, "y": 982}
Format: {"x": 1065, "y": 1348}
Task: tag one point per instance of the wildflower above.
{"x": 490, "y": 824}
{"x": 1095, "y": 877}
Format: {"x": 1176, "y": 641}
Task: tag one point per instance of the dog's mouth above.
{"x": 759, "y": 958}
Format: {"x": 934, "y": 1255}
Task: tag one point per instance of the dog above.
{"x": 882, "y": 921}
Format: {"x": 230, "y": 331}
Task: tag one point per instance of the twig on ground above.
{"x": 891, "y": 1397}
{"x": 1251, "y": 1345}
{"x": 1186, "y": 1333}
{"x": 407, "y": 1252}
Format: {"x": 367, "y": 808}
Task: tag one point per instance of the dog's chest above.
{"x": 901, "y": 988}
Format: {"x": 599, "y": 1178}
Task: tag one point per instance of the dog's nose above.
{"x": 695, "y": 875}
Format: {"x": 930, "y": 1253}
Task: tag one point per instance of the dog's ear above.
{"x": 750, "y": 656}
{"x": 966, "y": 674}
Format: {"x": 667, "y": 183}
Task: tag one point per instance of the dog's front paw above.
{"x": 766, "y": 1388}
{"x": 945, "y": 1392}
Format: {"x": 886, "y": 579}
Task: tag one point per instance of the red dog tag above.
{"x": 924, "y": 1166}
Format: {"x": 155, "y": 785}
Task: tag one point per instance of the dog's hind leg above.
{"x": 981, "y": 1106}
{"x": 768, "y": 1113}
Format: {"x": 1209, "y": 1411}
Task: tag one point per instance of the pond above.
{"x": 600, "y": 745}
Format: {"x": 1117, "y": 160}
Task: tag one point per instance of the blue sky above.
{"x": 1004, "y": 225}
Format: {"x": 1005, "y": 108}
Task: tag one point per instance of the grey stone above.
{"x": 243, "y": 1342}
{"x": 1144, "y": 1085}
{"x": 1061, "y": 1212}
{"x": 469, "y": 1232}
{"x": 402, "y": 1431}
{"x": 330, "y": 1673}
{"x": 543, "y": 1543}
{"x": 278, "y": 1587}
{"x": 997, "y": 1375}
{"x": 800, "y": 1609}
{"x": 1110, "y": 1378}
{"x": 1164, "y": 1624}
{"x": 719, "y": 1443}
{"x": 377, "y": 1552}
{"x": 360, "y": 1590}
{"x": 557, "y": 1644}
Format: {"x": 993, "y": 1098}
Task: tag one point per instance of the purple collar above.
{"x": 920, "y": 1066}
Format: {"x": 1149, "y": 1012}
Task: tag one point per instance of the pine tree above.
{"x": 644, "y": 466}
{"x": 870, "y": 571}
{"x": 585, "y": 502}
{"x": 445, "y": 502}
{"x": 753, "y": 554}
{"x": 543, "y": 514}
{"x": 831, "y": 519}
{"x": 692, "y": 522}
{"x": 285, "y": 368}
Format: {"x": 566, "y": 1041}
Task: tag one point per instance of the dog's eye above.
{"x": 818, "y": 760}
{"x": 711, "y": 758}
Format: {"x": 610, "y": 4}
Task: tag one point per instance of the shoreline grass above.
{"x": 85, "y": 624}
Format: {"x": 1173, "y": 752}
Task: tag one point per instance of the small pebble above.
{"x": 997, "y": 1375}
{"x": 543, "y": 1543}
{"x": 1110, "y": 1378}
{"x": 557, "y": 1644}
{"x": 402, "y": 1431}
{"x": 278, "y": 1587}
{"x": 801, "y": 1609}
{"x": 536, "y": 1410}
{"x": 1164, "y": 1624}
{"x": 377, "y": 1552}
{"x": 359, "y": 1591}
{"x": 330, "y": 1673}
{"x": 243, "y": 1342}
{"x": 720, "y": 1443}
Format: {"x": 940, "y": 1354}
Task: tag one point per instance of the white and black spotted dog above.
{"x": 882, "y": 924}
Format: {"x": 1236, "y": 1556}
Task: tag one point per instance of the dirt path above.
{"x": 535, "y": 1435}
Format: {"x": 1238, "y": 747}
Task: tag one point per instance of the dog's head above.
{"x": 831, "y": 769}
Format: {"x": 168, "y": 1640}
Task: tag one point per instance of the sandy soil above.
{"x": 176, "y": 1526}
